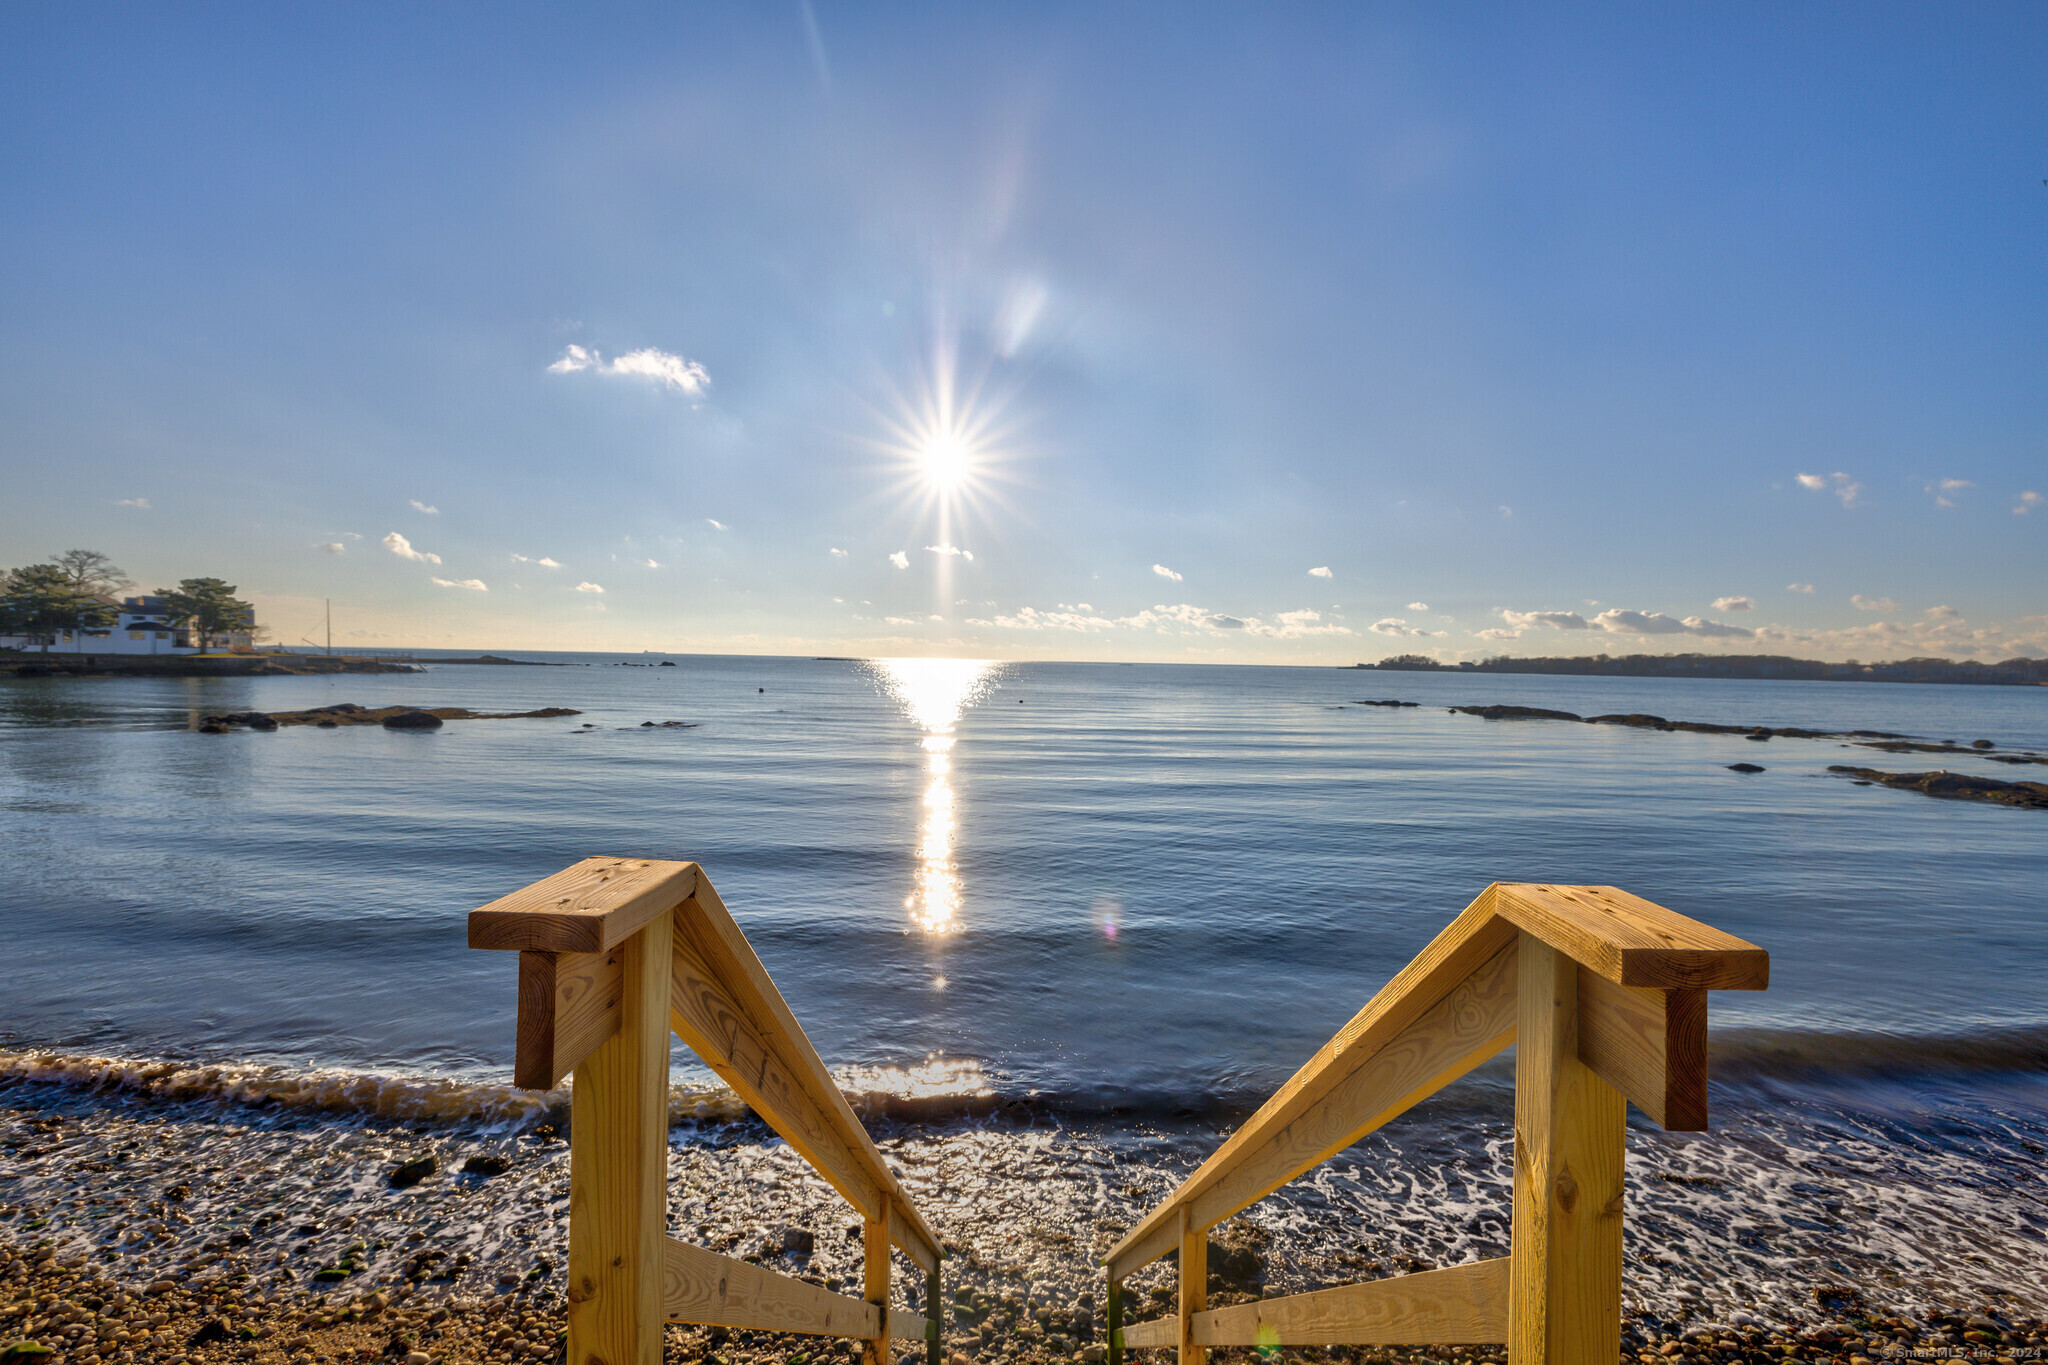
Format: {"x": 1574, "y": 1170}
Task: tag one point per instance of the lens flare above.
{"x": 933, "y": 693}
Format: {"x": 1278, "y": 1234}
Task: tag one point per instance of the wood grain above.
{"x": 702, "y": 1286}
{"x": 1194, "y": 1286}
{"x": 1114, "y": 1315}
{"x": 568, "y": 1004}
{"x": 1463, "y": 946}
{"x": 618, "y": 1170}
{"x": 875, "y": 1280}
{"x": 1631, "y": 941}
{"x": 1460, "y": 1305}
{"x": 1564, "y": 1296}
{"x": 730, "y": 960}
{"x": 1649, "y": 1044}
{"x": 590, "y": 907}
{"x": 1158, "y": 1332}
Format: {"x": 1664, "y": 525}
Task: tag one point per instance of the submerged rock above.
{"x": 1513, "y": 713}
{"x": 1955, "y": 786}
{"x": 413, "y": 720}
{"x": 1745, "y": 767}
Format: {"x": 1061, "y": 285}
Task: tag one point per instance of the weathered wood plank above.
{"x": 1649, "y": 1044}
{"x": 1564, "y": 1295}
{"x": 568, "y": 1004}
{"x": 590, "y": 907}
{"x": 1158, "y": 1332}
{"x": 1194, "y": 1286}
{"x": 1632, "y": 941}
{"x": 730, "y": 960}
{"x": 908, "y": 1331}
{"x": 1464, "y": 945}
{"x": 703, "y": 1286}
{"x": 1459, "y": 1305}
{"x": 618, "y": 1170}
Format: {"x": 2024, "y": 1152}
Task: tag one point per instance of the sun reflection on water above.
{"x": 933, "y": 693}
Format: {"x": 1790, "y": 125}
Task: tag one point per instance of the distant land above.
{"x": 2018, "y": 672}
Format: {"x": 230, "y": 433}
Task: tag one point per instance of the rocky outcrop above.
{"x": 1954, "y": 786}
{"x": 349, "y": 713}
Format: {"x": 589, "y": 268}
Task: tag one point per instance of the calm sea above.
{"x": 1099, "y": 894}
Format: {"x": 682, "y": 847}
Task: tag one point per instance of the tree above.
{"x": 209, "y": 607}
{"x": 91, "y": 573}
{"x": 42, "y": 600}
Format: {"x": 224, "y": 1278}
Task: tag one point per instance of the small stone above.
{"x": 798, "y": 1241}
{"x": 418, "y": 1358}
{"x": 488, "y": 1164}
{"x": 417, "y": 1169}
{"x": 1745, "y": 767}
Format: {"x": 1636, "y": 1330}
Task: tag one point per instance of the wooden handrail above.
{"x": 614, "y": 955}
{"x": 1606, "y": 994}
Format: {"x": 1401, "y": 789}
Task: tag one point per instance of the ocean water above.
{"x": 1107, "y": 906}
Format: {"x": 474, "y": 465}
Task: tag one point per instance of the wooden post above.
{"x": 618, "y": 1169}
{"x": 934, "y": 1316}
{"x": 1564, "y": 1296}
{"x": 1115, "y": 1321}
{"x": 1194, "y": 1286}
{"x": 875, "y": 1278}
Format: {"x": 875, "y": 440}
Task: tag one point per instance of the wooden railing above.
{"x": 613, "y": 954}
{"x": 1604, "y": 995}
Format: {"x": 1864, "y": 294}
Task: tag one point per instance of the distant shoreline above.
{"x": 40, "y": 665}
{"x": 2016, "y": 672}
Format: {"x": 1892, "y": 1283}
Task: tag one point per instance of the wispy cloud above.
{"x": 1941, "y": 488}
{"x": 334, "y": 547}
{"x": 1806, "y": 588}
{"x": 1322, "y": 571}
{"x": 140, "y": 503}
{"x": 900, "y": 559}
{"x": 587, "y": 586}
{"x": 1862, "y": 603}
{"x": 715, "y": 524}
{"x": 656, "y": 367}
{"x": 1556, "y": 620}
{"x": 419, "y": 506}
{"x": 1181, "y": 617}
{"x": 1395, "y": 625}
{"x": 1735, "y": 604}
{"x": 543, "y": 561}
{"x": 473, "y": 584}
{"x": 1165, "y": 572}
{"x": 838, "y": 553}
{"x": 1418, "y": 606}
{"x": 1838, "y": 483}
{"x": 650, "y": 563}
{"x": 950, "y": 550}
{"x": 1943, "y": 613}
{"x": 402, "y": 547}
{"x": 2029, "y": 500}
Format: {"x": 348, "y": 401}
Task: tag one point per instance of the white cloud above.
{"x": 1496, "y": 633}
{"x": 1225, "y": 623}
{"x": 2029, "y": 500}
{"x": 1165, "y": 572}
{"x": 402, "y": 547}
{"x": 473, "y": 584}
{"x": 1616, "y": 621}
{"x": 334, "y": 547}
{"x": 1838, "y": 483}
{"x": 588, "y": 586}
{"x": 1862, "y": 603}
{"x": 1394, "y": 625}
{"x": 142, "y": 503}
{"x": 543, "y": 561}
{"x": 1556, "y": 620}
{"x": 1943, "y": 613}
{"x": 1735, "y": 604}
{"x": 658, "y": 367}
{"x": 422, "y": 507}
{"x": 1322, "y": 572}
{"x": 651, "y": 563}
{"x": 838, "y": 553}
{"x": 951, "y": 550}
{"x": 1806, "y": 588}
{"x": 902, "y": 620}
{"x": 900, "y": 559}
{"x": 715, "y": 524}
{"x": 1941, "y": 488}
{"x": 1418, "y": 606}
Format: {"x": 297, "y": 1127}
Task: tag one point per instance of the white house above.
{"x": 144, "y": 627}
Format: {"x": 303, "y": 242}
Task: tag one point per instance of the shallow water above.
{"x": 1047, "y": 894}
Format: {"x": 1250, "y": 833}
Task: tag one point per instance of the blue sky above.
{"x": 1243, "y": 334}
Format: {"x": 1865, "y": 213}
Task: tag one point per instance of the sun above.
{"x": 945, "y": 459}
